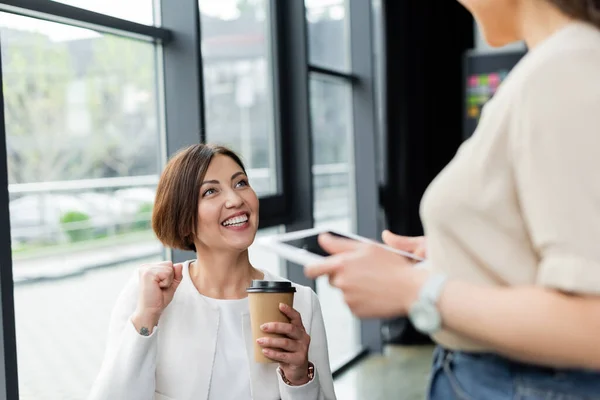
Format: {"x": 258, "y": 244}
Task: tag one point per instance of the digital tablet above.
{"x": 302, "y": 247}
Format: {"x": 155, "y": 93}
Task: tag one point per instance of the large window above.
{"x": 83, "y": 144}
{"x": 98, "y": 93}
{"x": 330, "y": 99}
{"x": 236, "y": 57}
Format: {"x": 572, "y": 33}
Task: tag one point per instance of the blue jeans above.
{"x": 471, "y": 376}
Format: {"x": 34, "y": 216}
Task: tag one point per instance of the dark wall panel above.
{"x": 425, "y": 42}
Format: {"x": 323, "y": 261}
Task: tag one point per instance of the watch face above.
{"x": 425, "y": 317}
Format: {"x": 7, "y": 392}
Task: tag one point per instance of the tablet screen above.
{"x": 311, "y": 243}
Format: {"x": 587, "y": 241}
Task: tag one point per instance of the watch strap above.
{"x": 432, "y": 289}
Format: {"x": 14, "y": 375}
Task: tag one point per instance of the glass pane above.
{"x": 83, "y": 148}
{"x": 331, "y": 113}
{"x": 238, "y": 84}
{"x": 141, "y": 11}
{"x": 328, "y": 33}
{"x": 264, "y": 259}
{"x": 62, "y": 331}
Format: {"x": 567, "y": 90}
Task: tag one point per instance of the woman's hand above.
{"x": 376, "y": 282}
{"x": 158, "y": 283}
{"x": 416, "y": 245}
{"x": 290, "y": 351}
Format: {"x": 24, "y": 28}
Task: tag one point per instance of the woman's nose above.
{"x": 233, "y": 199}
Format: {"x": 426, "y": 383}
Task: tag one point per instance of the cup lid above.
{"x": 259, "y": 286}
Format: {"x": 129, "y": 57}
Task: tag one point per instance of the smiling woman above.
{"x": 205, "y": 203}
{"x": 227, "y": 205}
{"x": 194, "y": 176}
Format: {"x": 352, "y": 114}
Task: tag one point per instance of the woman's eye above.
{"x": 243, "y": 182}
{"x": 209, "y": 192}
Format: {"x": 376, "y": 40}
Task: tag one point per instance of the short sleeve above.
{"x": 556, "y": 146}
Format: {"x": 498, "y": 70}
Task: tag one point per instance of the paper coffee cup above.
{"x": 264, "y": 298}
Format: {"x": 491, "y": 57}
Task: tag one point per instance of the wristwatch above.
{"x": 311, "y": 374}
{"x": 424, "y": 313}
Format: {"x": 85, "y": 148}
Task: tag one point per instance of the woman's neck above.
{"x": 539, "y": 20}
{"x": 223, "y": 275}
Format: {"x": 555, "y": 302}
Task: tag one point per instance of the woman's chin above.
{"x": 239, "y": 248}
{"x": 241, "y": 243}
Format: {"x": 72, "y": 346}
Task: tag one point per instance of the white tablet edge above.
{"x": 288, "y": 252}
{"x": 275, "y": 242}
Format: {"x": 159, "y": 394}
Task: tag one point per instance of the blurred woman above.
{"x": 510, "y": 290}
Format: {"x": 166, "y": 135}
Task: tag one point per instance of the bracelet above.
{"x": 311, "y": 374}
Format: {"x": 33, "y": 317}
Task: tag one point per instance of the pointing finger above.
{"x": 330, "y": 265}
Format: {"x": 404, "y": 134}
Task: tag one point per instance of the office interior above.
{"x": 342, "y": 110}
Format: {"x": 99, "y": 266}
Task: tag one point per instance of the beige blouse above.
{"x": 520, "y": 202}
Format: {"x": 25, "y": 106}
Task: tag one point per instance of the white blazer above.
{"x": 175, "y": 361}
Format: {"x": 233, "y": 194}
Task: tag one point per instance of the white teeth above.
{"x": 239, "y": 220}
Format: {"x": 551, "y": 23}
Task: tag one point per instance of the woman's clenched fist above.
{"x": 157, "y": 285}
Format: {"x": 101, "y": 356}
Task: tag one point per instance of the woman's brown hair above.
{"x": 175, "y": 213}
{"x": 584, "y": 10}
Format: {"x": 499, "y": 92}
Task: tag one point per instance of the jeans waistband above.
{"x": 440, "y": 354}
{"x": 468, "y": 369}
{"x": 521, "y": 371}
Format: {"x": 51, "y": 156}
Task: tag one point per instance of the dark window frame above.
{"x": 75, "y": 16}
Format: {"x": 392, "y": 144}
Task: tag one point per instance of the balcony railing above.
{"x": 52, "y": 213}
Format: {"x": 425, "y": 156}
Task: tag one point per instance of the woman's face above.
{"x": 498, "y": 19}
{"x": 227, "y": 207}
